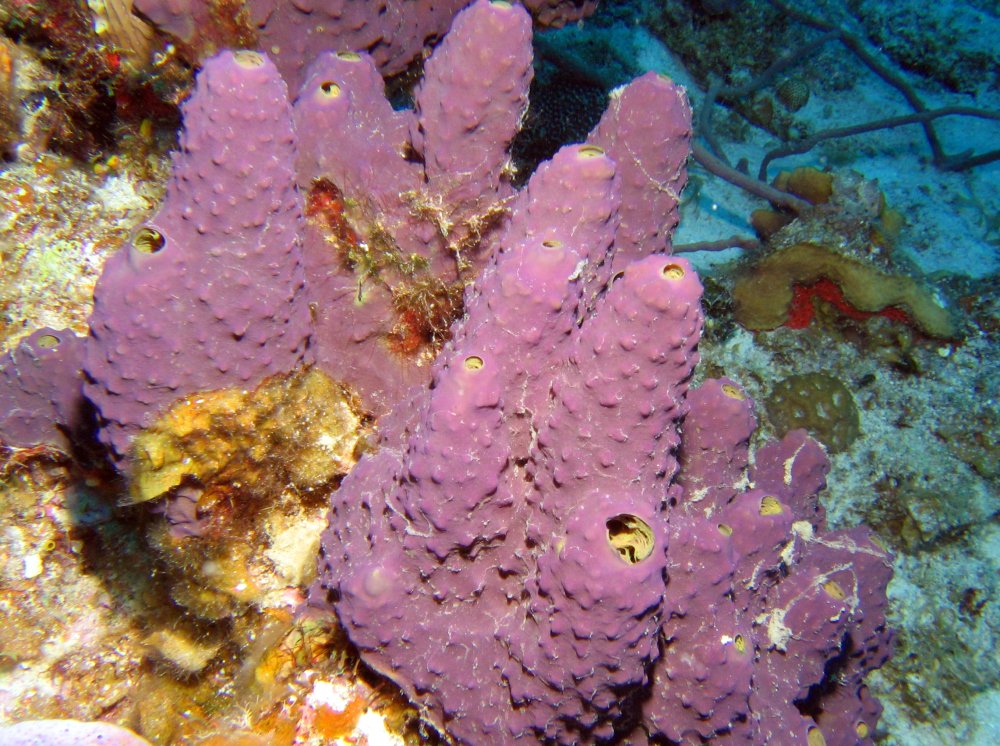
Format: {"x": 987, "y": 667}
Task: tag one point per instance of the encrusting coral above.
{"x": 818, "y": 403}
{"x": 300, "y": 429}
{"x": 838, "y": 251}
{"x": 764, "y": 293}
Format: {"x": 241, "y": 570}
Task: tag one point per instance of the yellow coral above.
{"x": 300, "y": 428}
{"x": 811, "y": 184}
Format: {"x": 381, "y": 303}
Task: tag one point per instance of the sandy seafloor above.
{"x": 925, "y": 461}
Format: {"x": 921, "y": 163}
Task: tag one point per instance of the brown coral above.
{"x": 819, "y": 403}
{"x": 764, "y": 293}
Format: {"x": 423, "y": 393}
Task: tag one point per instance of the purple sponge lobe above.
{"x": 211, "y": 292}
{"x": 41, "y": 396}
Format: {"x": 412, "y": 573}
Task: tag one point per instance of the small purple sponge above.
{"x": 67, "y": 733}
{"x": 41, "y": 397}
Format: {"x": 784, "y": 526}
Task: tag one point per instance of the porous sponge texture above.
{"x": 211, "y": 292}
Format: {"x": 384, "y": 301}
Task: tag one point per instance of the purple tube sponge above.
{"x": 424, "y": 192}
{"x": 296, "y": 31}
{"x": 462, "y": 531}
{"x": 41, "y": 395}
{"x": 774, "y": 622}
{"x": 427, "y": 198}
{"x": 469, "y": 107}
{"x": 404, "y": 209}
{"x": 211, "y": 292}
{"x": 646, "y": 130}
{"x": 558, "y": 542}
{"x": 717, "y": 434}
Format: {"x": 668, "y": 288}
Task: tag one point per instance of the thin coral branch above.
{"x": 745, "y": 182}
{"x": 965, "y": 161}
{"x": 717, "y": 91}
{"x": 952, "y": 163}
{"x": 733, "y": 242}
{"x": 922, "y": 115}
{"x": 703, "y": 121}
{"x": 886, "y": 73}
